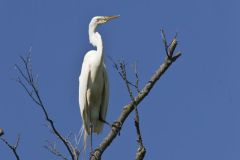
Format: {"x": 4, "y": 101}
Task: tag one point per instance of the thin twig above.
{"x": 52, "y": 148}
{"x": 141, "y": 151}
{"x": 13, "y": 147}
{"x": 137, "y": 77}
{"x": 33, "y": 92}
{"x": 164, "y": 39}
{"x": 96, "y": 155}
{"x": 121, "y": 69}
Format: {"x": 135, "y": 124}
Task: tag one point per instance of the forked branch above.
{"x": 169, "y": 59}
{"x": 141, "y": 151}
{"x": 14, "y": 147}
{"x": 121, "y": 69}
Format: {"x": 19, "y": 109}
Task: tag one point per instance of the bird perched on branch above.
{"x": 93, "y": 83}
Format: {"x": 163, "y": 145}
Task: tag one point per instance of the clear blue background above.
{"x": 192, "y": 112}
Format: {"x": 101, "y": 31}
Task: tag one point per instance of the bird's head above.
{"x": 102, "y": 19}
{"x": 94, "y": 36}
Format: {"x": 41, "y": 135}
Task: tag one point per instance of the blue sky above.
{"x": 192, "y": 112}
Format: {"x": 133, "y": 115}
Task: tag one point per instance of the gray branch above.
{"x": 121, "y": 69}
{"x": 169, "y": 59}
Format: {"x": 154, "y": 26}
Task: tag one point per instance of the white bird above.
{"x": 93, "y": 83}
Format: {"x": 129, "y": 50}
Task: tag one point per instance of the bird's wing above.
{"x": 105, "y": 97}
{"x": 83, "y": 86}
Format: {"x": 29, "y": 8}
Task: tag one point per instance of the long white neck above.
{"x": 96, "y": 40}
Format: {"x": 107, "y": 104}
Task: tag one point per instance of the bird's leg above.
{"x": 118, "y": 126}
{"x": 104, "y": 121}
{"x": 92, "y": 152}
{"x": 91, "y": 128}
{"x": 115, "y": 124}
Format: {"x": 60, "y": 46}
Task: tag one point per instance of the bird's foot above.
{"x": 116, "y": 126}
{"x": 92, "y": 154}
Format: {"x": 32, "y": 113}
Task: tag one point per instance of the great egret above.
{"x": 94, "y": 86}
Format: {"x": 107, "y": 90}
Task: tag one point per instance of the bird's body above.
{"x": 94, "y": 94}
{"x": 94, "y": 85}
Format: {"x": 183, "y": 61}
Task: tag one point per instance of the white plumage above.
{"x": 94, "y": 85}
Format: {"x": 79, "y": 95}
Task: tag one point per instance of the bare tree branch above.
{"x": 169, "y": 59}
{"x": 121, "y": 68}
{"x": 52, "y": 148}
{"x": 13, "y": 147}
{"x": 27, "y": 81}
{"x": 141, "y": 151}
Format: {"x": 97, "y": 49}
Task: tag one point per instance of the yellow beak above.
{"x": 107, "y": 18}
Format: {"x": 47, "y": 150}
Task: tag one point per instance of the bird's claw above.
{"x": 92, "y": 154}
{"x": 117, "y": 125}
